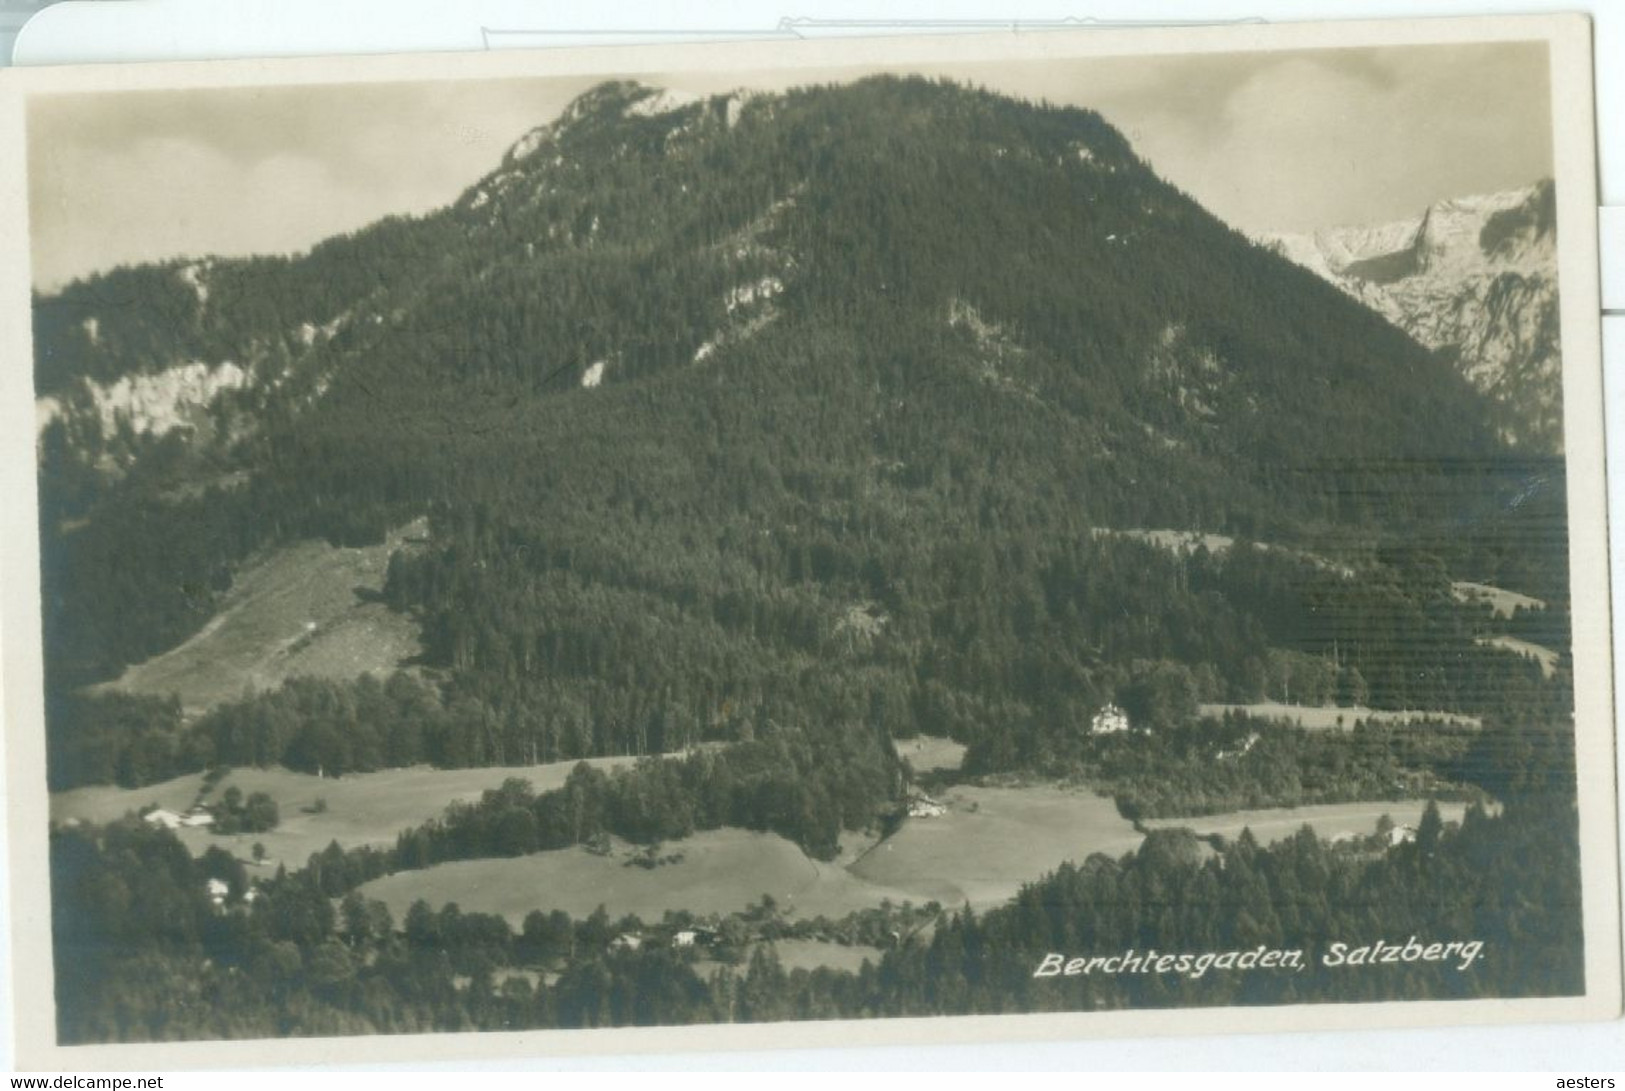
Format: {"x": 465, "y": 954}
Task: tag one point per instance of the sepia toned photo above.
{"x": 1067, "y": 528}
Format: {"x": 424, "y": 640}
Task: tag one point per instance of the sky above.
{"x": 1279, "y": 141}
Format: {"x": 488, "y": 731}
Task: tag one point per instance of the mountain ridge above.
{"x": 605, "y": 123}
{"x": 1473, "y": 278}
{"x": 682, "y": 397}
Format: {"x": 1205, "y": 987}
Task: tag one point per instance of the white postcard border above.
{"x": 26, "y": 808}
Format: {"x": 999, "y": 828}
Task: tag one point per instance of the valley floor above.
{"x": 987, "y": 842}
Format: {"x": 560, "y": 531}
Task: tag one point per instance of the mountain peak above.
{"x": 642, "y": 232}
{"x": 606, "y": 104}
{"x": 1502, "y": 227}
{"x": 610, "y": 100}
{"x": 1474, "y": 277}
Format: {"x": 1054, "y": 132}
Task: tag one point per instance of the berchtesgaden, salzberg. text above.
{"x": 1463, "y": 953}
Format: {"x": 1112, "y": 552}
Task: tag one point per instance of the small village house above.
{"x": 1110, "y": 720}
{"x": 697, "y": 936}
{"x": 164, "y": 819}
{"x": 921, "y": 805}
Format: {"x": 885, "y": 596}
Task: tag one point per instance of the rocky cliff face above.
{"x": 1474, "y": 279}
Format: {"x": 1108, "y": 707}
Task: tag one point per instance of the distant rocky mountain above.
{"x": 1475, "y": 279}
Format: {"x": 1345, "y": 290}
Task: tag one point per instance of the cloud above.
{"x": 1307, "y": 128}
{"x": 1313, "y": 138}
{"x": 170, "y": 196}
{"x": 120, "y": 179}
{"x": 1283, "y": 141}
{"x": 1363, "y": 136}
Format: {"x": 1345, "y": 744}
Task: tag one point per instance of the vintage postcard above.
{"x": 921, "y": 538}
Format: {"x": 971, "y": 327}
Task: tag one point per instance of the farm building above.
{"x": 1110, "y": 720}
{"x": 198, "y": 816}
{"x": 164, "y": 819}
{"x": 1246, "y": 746}
{"x": 1401, "y": 835}
{"x": 694, "y": 937}
{"x": 921, "y": 805}
{"x": 626, "y": 941}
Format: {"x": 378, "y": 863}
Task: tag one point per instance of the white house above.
{"x": 1110, "y": 720}
{"x": 163, "y": 818}
{"x": 217, "y": 891}
{"x": 1401, "y": 835}
{"x": 1251, "y": 741}
{"x": 198, "y": 816}
{"x": 692, "y": 937}
{"x": 921, "y": 805}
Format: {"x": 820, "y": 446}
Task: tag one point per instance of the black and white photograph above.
{"x": 1085, "y": 529}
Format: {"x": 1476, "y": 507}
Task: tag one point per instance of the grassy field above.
{"x": 722, "y": 871}
{"x": 362, "y": 809}
{"x": 1542, "y": 655}
{"x": 1501, "y": 601}
{"x": 811, "y": 954}
{"x": 1177, "y": 541}
{"x": 1332, "y": 718}
{"x": 930, "y": 753}
{"x": 992, "y": 840}
{"x": 800, "y": 954}
{"x": 1330, "y": 821}
{"x": 308, "y": 609}
{"x": 1189, "y": 541}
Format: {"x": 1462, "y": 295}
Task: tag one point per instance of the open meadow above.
{"x": 304, "y": 610}
{"x": 931, "y": 753}
{"x": 989, "y": 843}
{"x": 1546, "y": 657}
{"x": 1331, "y": 821}
{"x": 360, "y": 809}
{"x": 1502, "y": 603}
{"x": 721, "y": 871}
{"x": 993, "y": 840}
{"x": 980, "y": 851}
{"x": 1334, "y": 717}
{"x": 800, "y": 954}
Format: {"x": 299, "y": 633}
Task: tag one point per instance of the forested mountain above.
{"x": 1475, "y": 279}
{"x": 796, "y": 409}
